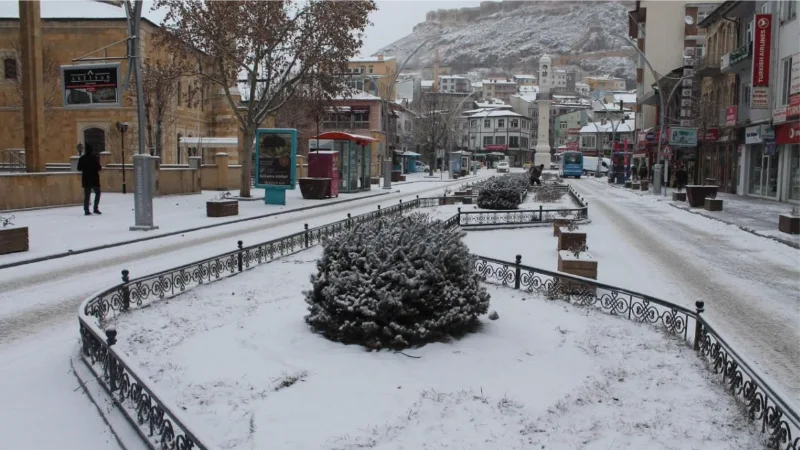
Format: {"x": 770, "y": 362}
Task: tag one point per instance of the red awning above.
{"x": 340, "y": 136}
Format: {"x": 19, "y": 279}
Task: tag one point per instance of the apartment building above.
{"x": 604, "y": 83}
{"x": 454, "y": 83}
{"x": 504, "y": 131}
{"x": 501, "y": 89}
{"x": 374, "y": 74}
{"x": 525, "y": 80}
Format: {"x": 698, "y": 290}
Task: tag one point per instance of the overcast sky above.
{"x": 396, "y": 18}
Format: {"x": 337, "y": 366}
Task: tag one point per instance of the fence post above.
{"x": 401, "y": 206}
{"x": 517, "y": 271}
{"x": 541, "y": 213}
{"x": 379, "y": 210}
{"x": 111, "y": 339}
{"x": 459, "y": 215}
{"x": 349, "y": 225}
{"x": 126, "y": 292}
{"x": 306, "y": 234}
{"x": 417, "y": 200}
{"x": 239, "y": 256}
{"x": 698, "y": 327}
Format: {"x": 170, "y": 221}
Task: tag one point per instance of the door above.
{"x": 763, "y": 172}
{"x": 96, "y": 138}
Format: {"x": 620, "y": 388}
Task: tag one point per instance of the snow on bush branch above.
{"x": 7, "y": 221}
{"x": 396, "y": 283}
{"x": 504, "y": 192}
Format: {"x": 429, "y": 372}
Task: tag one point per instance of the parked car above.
{"x": 476, "y": 165}
{"x": 421, "y": 166}
{"x": 503, "y": 166}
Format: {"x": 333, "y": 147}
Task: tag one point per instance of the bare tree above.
{"x": 51, "y": 74}
{"x": 431, "y": 129}
{"x": 159, "y": 89}
{"x": 304, "y": 113}
{"x": 267, "y": 50}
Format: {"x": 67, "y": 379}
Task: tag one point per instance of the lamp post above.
{"x": 122, "y": 127}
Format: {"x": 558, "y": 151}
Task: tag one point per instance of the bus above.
{"x": 571, "y": 164}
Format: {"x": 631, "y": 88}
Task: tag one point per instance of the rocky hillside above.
{"x": 512, "y": 35}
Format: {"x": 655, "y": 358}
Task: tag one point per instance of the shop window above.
{"x": 488, "y": 140}
{"x": 794, "y": 173}
{"x": 10, "y": 68}
{"x": 786, "y": 80}
{"x": 500, "y": 140}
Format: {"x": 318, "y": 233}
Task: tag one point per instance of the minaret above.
{"x": 543, "y": 101}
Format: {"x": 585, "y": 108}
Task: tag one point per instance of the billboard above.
{"x": 761, "y": 50}
{"x": 91, "y": 85}
{"x": 276, "y": 150}
{"x": 683, "y": 137}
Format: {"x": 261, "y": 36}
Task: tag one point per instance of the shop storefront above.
{"x": 761, "y": 168}
{"x": 787, "y": 143}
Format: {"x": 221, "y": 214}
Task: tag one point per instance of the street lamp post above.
{"x": 122, "y": 127}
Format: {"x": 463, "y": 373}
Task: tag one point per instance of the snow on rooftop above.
{"x": 426, "y": 83}
{"x": 626, "y": 126}
{"x": 79, "y": 9}
{"x": 499, "y": 82}
{"x": 525, "y": 77}
{"x": 357, "y": 95}
{"x": 626, "y": 98}
{"x": 496, "y": 113}
{"x": 365, "y": 59}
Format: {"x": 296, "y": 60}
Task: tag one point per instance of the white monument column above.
{"x": 543, "y": 100}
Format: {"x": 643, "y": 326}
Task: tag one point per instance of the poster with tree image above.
{"x": 275, "y": 159}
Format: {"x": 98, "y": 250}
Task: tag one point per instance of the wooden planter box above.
{"x": 402, "y": 178}
{"x": 628, "y": 184}
{"x": 557, "y": 224}
{"x": 696, "y": 195}
{"x": 570, "y": 239}
{"x": 789, "y": 224}
{"x": 466, "y": 200}
{"x": 315, "y": 188}
{"x": 13, "y": 240}
{"x": 583, "y": 266}
{"x": 469, "y": 192}
{"x": 396, "y": 174}
{"x": 222, "y": 208}
{"x": 644, "y": 184}
{"x": 712, "y": 204}
{"x": 636, "y": 186}
{"x": 679, "y": 196}
{"x": 375, "y": 180}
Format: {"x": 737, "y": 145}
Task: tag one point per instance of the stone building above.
{"x": 195, "y": 110}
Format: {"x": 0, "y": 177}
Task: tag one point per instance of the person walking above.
{"x": 681, "y": 177}
{"x": 536, "y": 175}
{"x": 643, "y": 172}
{"x": 89, "y": 167}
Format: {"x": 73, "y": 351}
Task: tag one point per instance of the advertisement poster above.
{"x": 275, "y": 152}
{"x": 759, "y": 98}
{"x": 761, "y": 50}
{"x": 90, "y": 85}
{"x": 683, "y": 137}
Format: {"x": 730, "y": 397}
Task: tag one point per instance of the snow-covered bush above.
{"x": 396, "y": 283}
{"x": 548, "y": 194}
{"x": 505, "y": 192}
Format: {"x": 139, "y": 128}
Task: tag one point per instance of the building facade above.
{"x": 454, "y": 83}
{"x": 499, "y": 89}
{"x": 194, "y": 110}
{"x": 501, "y": 131}
{"x": 373, "y": 74}
{"x": 362, "y": 114}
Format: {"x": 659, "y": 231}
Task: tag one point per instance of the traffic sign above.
{"x": 650, "y": 136}
{"x": 667, "y": 152}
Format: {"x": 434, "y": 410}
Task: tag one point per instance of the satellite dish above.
{"x": 689, "y": 20}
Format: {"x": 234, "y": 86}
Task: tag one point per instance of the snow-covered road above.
{"x": 39, "y": 330}
{"x": 750, "y": 285}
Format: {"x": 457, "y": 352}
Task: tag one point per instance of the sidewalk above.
{"x": 63, "y": 231}
{"x": 754, "y": 215}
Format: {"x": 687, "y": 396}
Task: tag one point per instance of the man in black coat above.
{"x": 89, "y": 167}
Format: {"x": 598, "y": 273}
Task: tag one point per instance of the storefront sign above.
{"x": 683, "y": 137}
{"x": 761, "y": 50}
{"x": 779, "y": 115}
{"x": 739, "y": 54}
{"x": 757, "y": 134}
{"x": 495, "y": 147}
{"x": 793, "y": 110}
{"x": 759, "y": 98}
{"x": 90, "y": 85}
{"x": 572, "y": 145}
{"x": 710, "y": 135}
{"x": 573, "y": 131}
{"x": 794, "y": 87}
{"x": 788, "y": 133}
{"x": 731, "y": 113}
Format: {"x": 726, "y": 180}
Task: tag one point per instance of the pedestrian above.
{"x": 681, "y": 177}
{"x": 643, "y": 172}
{"x": 536, "y": 174}
{"x": 89, "y": 167}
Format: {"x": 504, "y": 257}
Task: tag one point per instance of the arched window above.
{"x": 96, "y": 137}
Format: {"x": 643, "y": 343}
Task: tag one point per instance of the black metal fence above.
{"x": 778, "y": 421}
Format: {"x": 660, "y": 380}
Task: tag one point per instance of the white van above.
{"x": 590, "y": 165}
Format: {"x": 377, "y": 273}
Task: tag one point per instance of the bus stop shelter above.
{"x": 355, "y": 159}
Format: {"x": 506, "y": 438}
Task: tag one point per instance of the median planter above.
{"x": 222, "y": 208}
{"x": 645, "y": 185}
{"x": 636, "y": 186}
{"x": 315, "y": 188}
{"x": 568, "y": 240}
{"x": 789, "y": 224}
{"x": 396, "y": 174}
{"x": 557, "y": 224}
{"x": 679, "y": 196}
{"x": 712, "y": 204}
{"x": 13, "y": 240}
{"x": 581, "y": 264}
{"x": 375, "y": 180}
{"x": 696, "y": 195}
{"x": 628, "y": 184}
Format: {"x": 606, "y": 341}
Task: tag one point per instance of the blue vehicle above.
{"x": 571, "y": 164}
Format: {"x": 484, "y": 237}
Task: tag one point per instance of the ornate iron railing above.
{"x": 778, "y": 420}
{"x": 476, "y": 219}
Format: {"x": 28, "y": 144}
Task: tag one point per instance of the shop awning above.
{"x": 340, "y": 136}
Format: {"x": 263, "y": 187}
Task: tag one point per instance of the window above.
{"x": 523, "y": 142}
{"x": 487, "y": 123}
{"x": 514, "y": 123}
{"x": 180, "y": 93}
{"x": 488, "y": 140}
{"x": 588, "y": 142}
{"x": 500, "y": 140}
{"x": 746, "y": 94}
{"x": 473, "y": 124}
{"x": 748, "y": 34}
{"x": 357, "y": 84}
{"x": 501, "y": 123}
{"x": 699, "y": 51}
{"x": 363, "y": 69}
{"x": 562, "y": 125}
{"x": 371, "y": 69}
{"x": 561, "y": 142}
{"x": 786, "y": 80}
{"x": 788, "y": 10}
{"x": 10, "y": 68}
{"x": 513, "y": 141}
{"x": 96, "y": 138}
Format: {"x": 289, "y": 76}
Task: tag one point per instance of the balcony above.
{"x": 731, "y": 61}
{"x": 707, "y": 67}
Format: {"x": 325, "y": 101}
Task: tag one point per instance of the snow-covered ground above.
{"x": 445, "y": 212}
{"x": 59, "y": 230}
{"x": 238, "y": 357}
{"x": 38, "y": 307}
{"x": 750, "y": 284}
